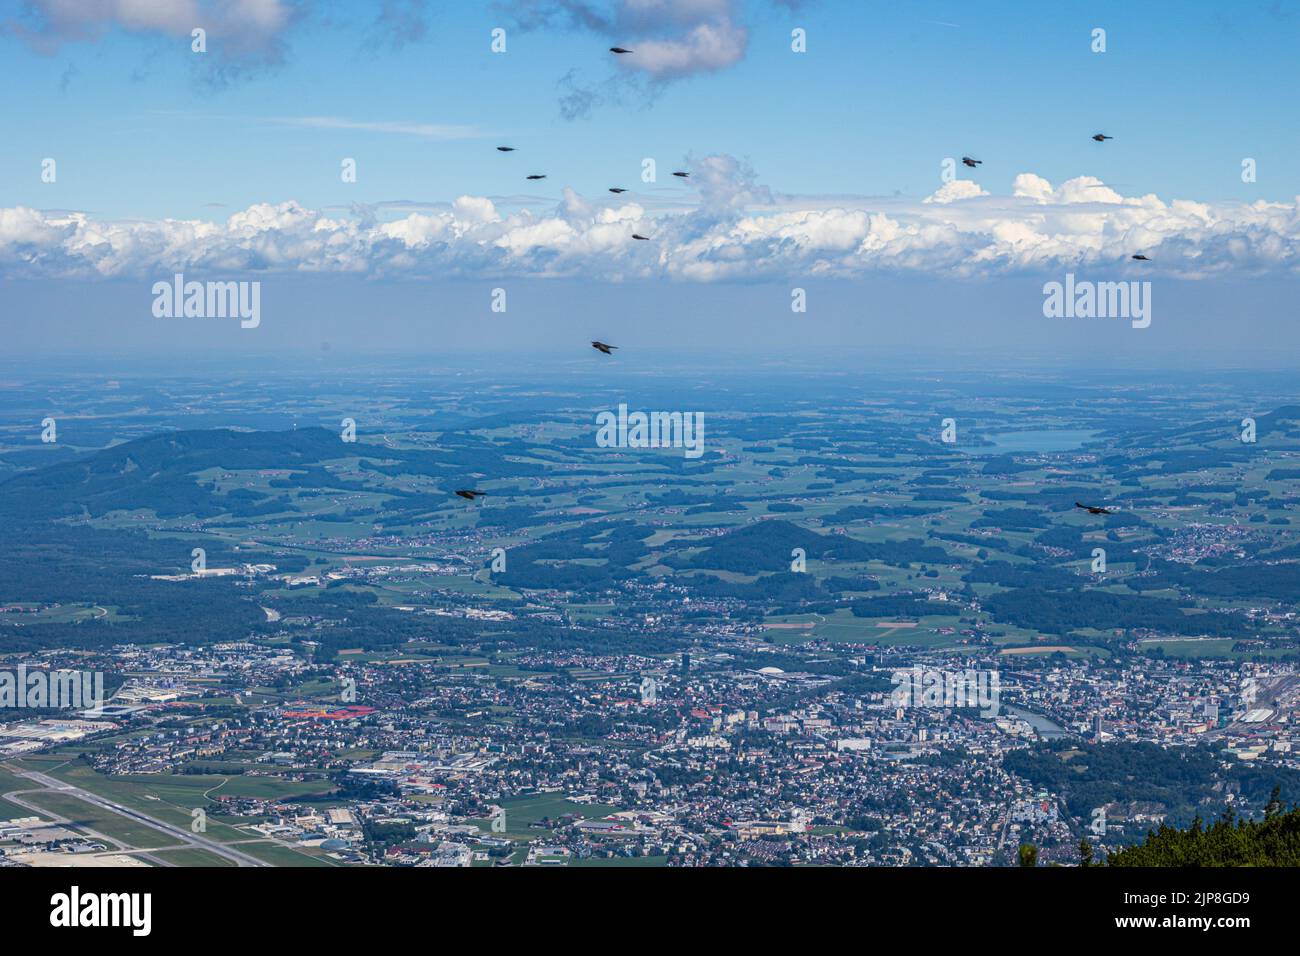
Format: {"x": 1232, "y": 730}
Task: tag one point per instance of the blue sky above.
{"x": 884, "y": 92}
{"x": 805, "y": 167}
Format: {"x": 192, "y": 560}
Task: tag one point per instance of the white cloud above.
{"x": 669, "y": 39}
{"x": 738, "y": 229}
{"x": 727, "y": 184}
{"x": 242, "y": 35}
{"x": 242, "y": 21}
{"x": 956, "y": 189}
{"x": 713, "y": 45}
{"x": 1086, "y": 189}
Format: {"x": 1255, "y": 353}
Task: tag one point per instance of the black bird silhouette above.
{"x": 602, "y": 347}
{"x": 615, "y": 189}
{"x": 1102, "y": 137}
{"x": 618, "y": 49}
{"x": 536, "y": 176}
{"x": 1141, "y": 258}
{"x": 1094, "y": 509}
{"x": 469, "y": 495}
{"x": 972, "y": 163}
{"x": 505, "y": 149}
{"x": 683, "y": 175}
{"x": 637, "y": 235}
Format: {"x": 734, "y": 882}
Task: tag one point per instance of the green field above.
{"x": 522, "y": 812}
{"x": 112, "y": 825}
{"x": 172, "y": 799}
{"x": 842, "y": 627}
{"x": 193, "y": 856}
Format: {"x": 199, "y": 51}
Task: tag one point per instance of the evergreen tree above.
{"x": 1229, "y": 841}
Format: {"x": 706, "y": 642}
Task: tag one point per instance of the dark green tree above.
{"x": 1229, "y": 841}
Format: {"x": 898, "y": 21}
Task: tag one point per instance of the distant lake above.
{"x": 1038, "y": 440}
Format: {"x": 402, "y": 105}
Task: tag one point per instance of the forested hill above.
{"x": 1272, "y": 841}
{"x": 161, "y": 473}
{"x": 158, "y": 472}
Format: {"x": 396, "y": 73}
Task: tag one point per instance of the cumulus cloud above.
{"x": 670, "y": 40}
{"x": 50, "y": 23}
{"x": 243, "y": 35}
{"x": 736, "y": 229}
{"x": 708, "y": 46}
{"x": 727, "y": 184}
{"x": 955, "y": 189}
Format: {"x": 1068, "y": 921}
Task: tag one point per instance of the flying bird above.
{"x": 1141, "y": 258}
{"x": 683, "y": 175}
{"x": 536, "y": 176}
{"x": 618, "y": 49}
{"x": 615, "y": 189}
{"x": 1094, "y": 509}
{"x": 637, "y": 235}
{"x": 602, "y": 347}
{"x": 469, "y": 495}
{"x": 1102, "y": 137}
{"x": 505, "y": 149}
{"x": 972, "y": 163}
